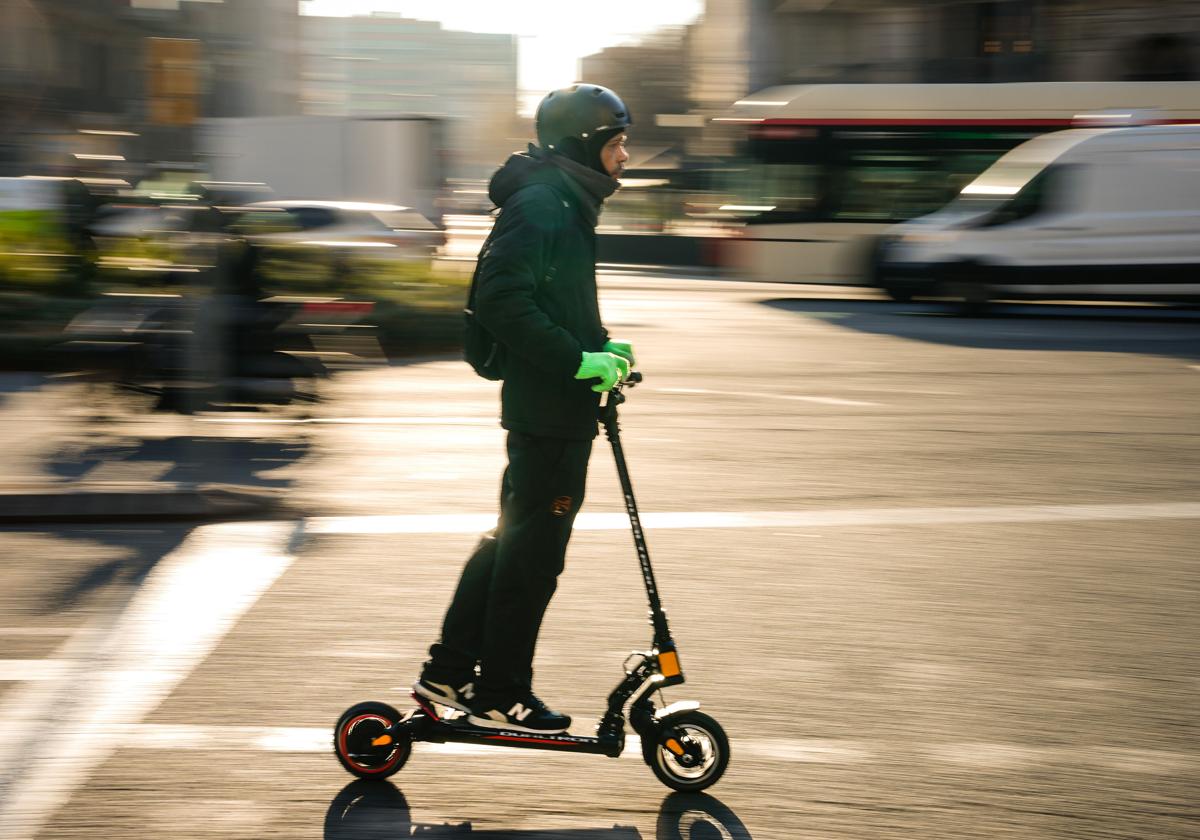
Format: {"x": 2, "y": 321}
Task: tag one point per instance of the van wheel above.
{"x": 897, "y": 294}
{"x": 873, "y": 273}
{"x": 964, "y": 283}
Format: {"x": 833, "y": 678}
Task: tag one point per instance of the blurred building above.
{"x": 251, "y": 54}
{"x": 813, "y": 41}
{"x": 64, "y": 66}
{"x": 720, "y": 53}
{"x": 387, "y": 65}
{"x": 102, "y": 86}
{"x": 652, "y": 78}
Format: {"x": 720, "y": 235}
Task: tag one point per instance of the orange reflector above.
{"x": 382, "y": 741}
{"x": 668, "y": 663}
{"x": 674, "y": 746}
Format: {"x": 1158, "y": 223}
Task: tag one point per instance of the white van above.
{"x": 1109, "y": 213}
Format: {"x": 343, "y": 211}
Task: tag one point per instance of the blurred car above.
{"x": 390, "y": 230}
{"x": 157, "y": 245}
{"x": 1104, "y": 213}
{"x": 44, "y": 242}
{"x": 228, "y": 193}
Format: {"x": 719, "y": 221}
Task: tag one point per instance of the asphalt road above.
{"x": 937, "y": 577}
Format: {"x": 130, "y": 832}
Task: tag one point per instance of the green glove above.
{"x": 608, "y": 367}
{"x": 622, "y": 349}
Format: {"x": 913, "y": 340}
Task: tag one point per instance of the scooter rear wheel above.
{"x": 355, "y": 741}
{"x": 689, "y": 753}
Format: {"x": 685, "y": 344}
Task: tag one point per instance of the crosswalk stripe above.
{"x": 960, "y": 754}
{"x": 465, "y": 523}
{"x": 28, "y": 670}
{"x": 115, "y": 675}
{"x": 769, "y": 395}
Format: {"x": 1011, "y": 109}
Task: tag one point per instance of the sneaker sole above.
{"x": 488, "y": 723}
{"x": 430, "y": 694}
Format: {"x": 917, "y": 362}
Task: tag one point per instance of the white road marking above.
{"x": 811, "y": 750}
{"x": 767, "y": 396}
{"x": 36, "y": 631}
{"x": 12, "y": 670}
{"x": 433, "y": 476}
{"x": 465, "y": 523}
{"x": 922, "y": 391}
{"x": 174, "y": 619}
{"x": 361, "y": 421}
{"x": 991, "y": 756}
{"x": 986, "y": 756}
{"x": 971, "y": 754}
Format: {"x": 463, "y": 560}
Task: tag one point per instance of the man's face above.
{"x": 613, "y": 156}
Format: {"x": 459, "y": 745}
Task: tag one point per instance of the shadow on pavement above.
{"x": 126, "y": 553}
{"x": 12, "y": 383}
{"x": 144, "y": 546}
{"x": 242, "y": 461}
{"x": 1105, "y": 328}
{"x": 377, "y": 810}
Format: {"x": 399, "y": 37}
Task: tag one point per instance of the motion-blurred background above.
{"x": 913, "y": 284}
{"x": 141, "y": 142}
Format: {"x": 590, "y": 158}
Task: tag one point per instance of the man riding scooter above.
{"x": 535, "y": 292}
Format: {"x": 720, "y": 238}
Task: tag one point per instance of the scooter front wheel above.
{"x": 362, "y": 744}
{"x": 689, "y": 753}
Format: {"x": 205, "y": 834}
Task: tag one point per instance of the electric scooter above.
{"x": 686, "y": 749}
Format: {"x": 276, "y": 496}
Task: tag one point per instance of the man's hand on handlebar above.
{"x": 621, "y": 348}
{"x": 609, "y": 368}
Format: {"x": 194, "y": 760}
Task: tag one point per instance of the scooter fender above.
{"x": 677, "y": 706}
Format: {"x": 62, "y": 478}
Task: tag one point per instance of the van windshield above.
{"x": 1050, "y": 190}
{"x": 1009, "y": 175}
{"x": 995, "y": 186}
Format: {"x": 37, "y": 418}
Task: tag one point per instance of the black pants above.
{"x": 507, "y": 583}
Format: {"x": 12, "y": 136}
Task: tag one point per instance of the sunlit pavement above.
{"x": 936, "y": 577}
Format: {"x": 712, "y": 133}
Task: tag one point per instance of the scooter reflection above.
{"x": 370, "y": 809}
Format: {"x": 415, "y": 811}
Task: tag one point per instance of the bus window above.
{"x": 875, "y": 187}
{"x": 785, "y": 191}
{"x": 864, "y": 175}
{"x": 887, "y": 188}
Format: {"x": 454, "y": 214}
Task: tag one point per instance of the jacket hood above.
{"x": 520, "y": 169}
{"x": 535, "y": 166}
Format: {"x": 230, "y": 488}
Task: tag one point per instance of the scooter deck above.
{"x": 425, "y": 724}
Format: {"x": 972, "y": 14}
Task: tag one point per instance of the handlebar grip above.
{"x": 634, "y": 377}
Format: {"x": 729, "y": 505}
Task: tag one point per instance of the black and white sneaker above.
{"x": 528, "y": 714}
{"x": 456, "y": 698}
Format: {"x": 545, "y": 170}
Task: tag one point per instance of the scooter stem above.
{"x": 608, "y": 418}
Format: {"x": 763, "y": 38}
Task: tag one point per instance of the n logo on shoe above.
{"x": 519, "y": 711}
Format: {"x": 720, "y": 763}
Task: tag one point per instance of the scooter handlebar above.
{"x": 615, "y": 396}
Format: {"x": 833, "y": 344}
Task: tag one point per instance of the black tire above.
{"x": 873, "y": 273}
{"x": 976, "y": 299}
{"x": 704, "y": 742}
{"x": 967, "y": 283}
{"x": 352, "y": 737}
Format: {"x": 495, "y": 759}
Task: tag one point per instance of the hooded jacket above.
{"x": 536, "y": 291}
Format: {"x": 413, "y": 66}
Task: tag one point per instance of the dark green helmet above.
{"x": 579, "y": 111}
